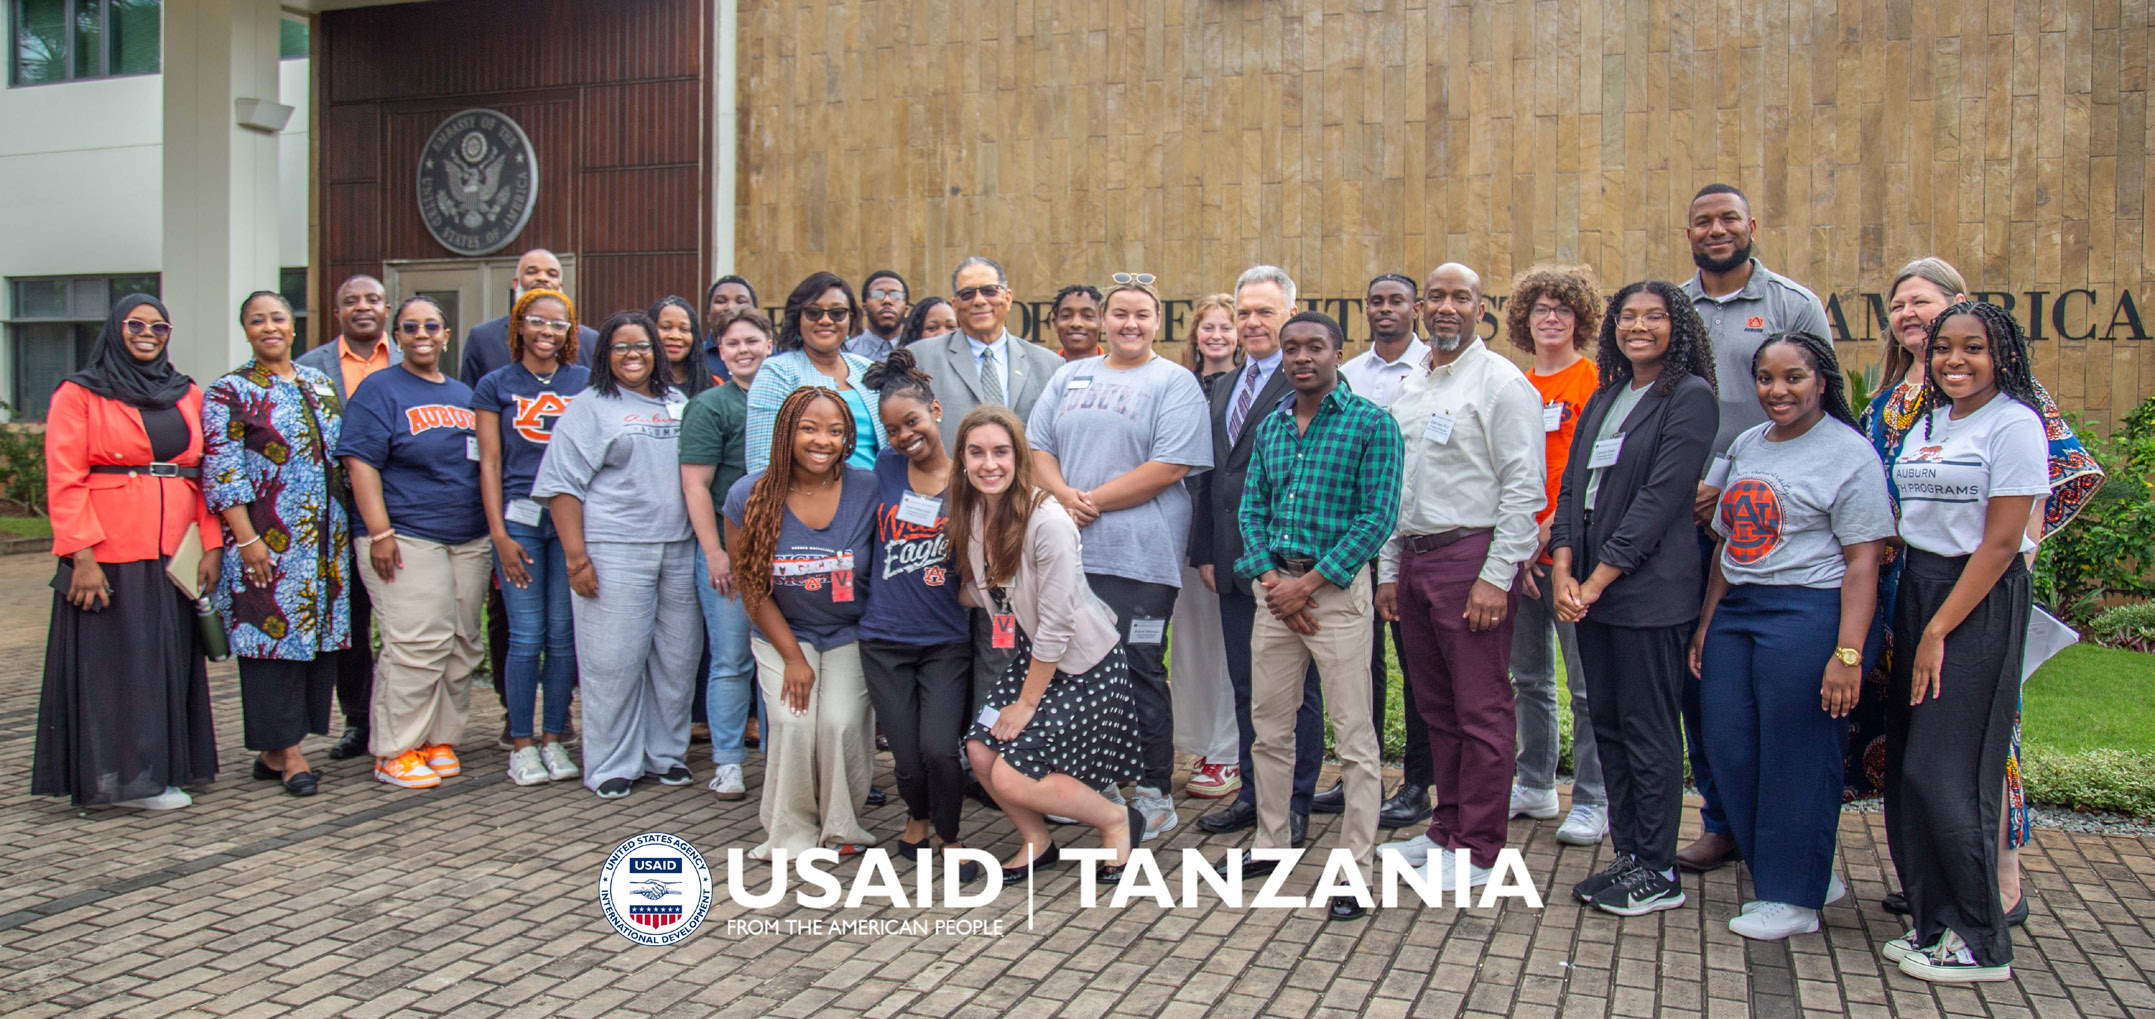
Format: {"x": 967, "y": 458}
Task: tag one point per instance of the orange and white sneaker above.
{"x": 408, "y": 769}
{"x": 441, "y": 759}
{"x": 1214, "y": 779}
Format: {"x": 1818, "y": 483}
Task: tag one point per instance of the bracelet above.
{"x": 390, "y": 533}
{"x": 246, "y": 543}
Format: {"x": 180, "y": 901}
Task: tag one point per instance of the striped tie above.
{"x": 1241, "y": 410}
{"x": 991, "y": 381}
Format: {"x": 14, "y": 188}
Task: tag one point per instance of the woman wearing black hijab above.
{"x": 124, "y": 716}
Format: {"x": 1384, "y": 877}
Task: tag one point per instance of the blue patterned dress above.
{"x": 268, "y": 444}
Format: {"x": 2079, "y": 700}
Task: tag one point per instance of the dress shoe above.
{"x": 1708, "y": 853}
{"x": 352, "y": 744}
{"x": 1897, "y": 904}
{"x": 1330, "y": 801}
{"x": 1407, "y": 807}
{"x": 302, "y": 784}
{"x": 1238, "y": 816}
{"x": 877, "y": 797}
{"x": 1049, "y": 860}
{"x": 1250, "y": 867}
{"x": 1344, "y": 907}
{"x": 1297, "y": 830}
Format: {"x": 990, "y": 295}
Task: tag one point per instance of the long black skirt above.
{"x": 125, "y": 709}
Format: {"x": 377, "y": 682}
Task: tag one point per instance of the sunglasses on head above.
{"x": 1124, "y": 279}
{"x": 136, "y": 327}
{"x": 815, "y": 314}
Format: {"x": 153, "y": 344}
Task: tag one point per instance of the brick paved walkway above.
{"x": 478, "y": 899}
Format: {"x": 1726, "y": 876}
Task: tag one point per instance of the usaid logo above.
{"x": 478, "y": 181}
{"x": 655, "y": 889}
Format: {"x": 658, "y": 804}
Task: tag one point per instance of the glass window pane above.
{"x": 41, "y": 299}
{"x": 89, "y": 302}
{"x": 133, "y": 28}
{"x": 44, "y": 354}
{"x": 40, "y": 41}
{"x": 292, "y": 283}
{"x": 124, "y": 285}
{"x": 292, "y": 39}
{"x": 89, "y": 25}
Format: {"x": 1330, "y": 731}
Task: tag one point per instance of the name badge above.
{"x": 523, "y": 511}
{"x": 989, "y": 716}
{"x": 1004, "y": 630}
{"x": 1147, "y": 631}
{"x": 1605, "y": 451}
{"x": 1081, "y": 382}
{"x": 1552, "y": 416}
{"x": 322, "y": 389}
{"x": 1717, "y": 473}
{"x": 1439, "y": 429}
{"x": 471, "y": 448}
{"x": 919, "y": 510}
{"x": 841, "y": 585}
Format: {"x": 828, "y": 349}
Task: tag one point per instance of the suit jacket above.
{"x": 1215, "y": 522}
{"x": 120, "y": 518}
{"x": 1642, "y": 513}
{"x": 948, "y": 361}
{"x": 486, "y": 348}
{"x": 327, "y": 360}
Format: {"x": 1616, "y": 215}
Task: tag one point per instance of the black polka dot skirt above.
{"x": 1086, "y": 726}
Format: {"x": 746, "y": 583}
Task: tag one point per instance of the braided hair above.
{"x": 1691, "y": 348}
{"x": 2013, "y": 372}
{"x": 1818, "y": 354}
{"x": 766, "y": 506}
{"x": 898, "y": 375}
{"x": 603, "y": 381}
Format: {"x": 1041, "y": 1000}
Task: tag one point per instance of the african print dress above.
{"x": 270, "y": 445}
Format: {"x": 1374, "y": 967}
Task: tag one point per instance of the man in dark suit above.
{"x": 1264, "y": 301}
{"x": 486, "y": 346}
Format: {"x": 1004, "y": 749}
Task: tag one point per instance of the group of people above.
{"x": 881, "y": 514}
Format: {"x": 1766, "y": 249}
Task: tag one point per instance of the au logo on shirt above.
{"x": 1751, "y": 514}
{"x": 535, "y": 415}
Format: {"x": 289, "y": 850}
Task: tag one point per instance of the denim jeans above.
{"x": 539, "y": 620}
{"x": 731, "y": 686}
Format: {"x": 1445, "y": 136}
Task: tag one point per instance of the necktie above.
{"x": 991, "y": 380}
{"x": 1241, "y": 410}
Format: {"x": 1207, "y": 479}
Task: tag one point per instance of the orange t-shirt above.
{"x": 1570, "y": 388}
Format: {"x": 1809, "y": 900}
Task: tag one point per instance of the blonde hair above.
{"x": 1192, "y": 358}
{"x": 1939, "y": 273}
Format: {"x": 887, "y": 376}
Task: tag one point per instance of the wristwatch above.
{"x": 1848, "y": 655}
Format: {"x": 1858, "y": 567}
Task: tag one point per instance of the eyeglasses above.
{"x": 432, "y": 328}
{"x": 816, "y": 314}
{"x": 1652, "y": 318}
{"x": 632, "y": 347}
{"x": 136, "y": 327}
{"x": 1548, "y": 310}
{"x": 885, "y": 294}
{"x": 989, "y": 291}
{"x": 539, "y": 322}
{"x": 1124, "y": 279}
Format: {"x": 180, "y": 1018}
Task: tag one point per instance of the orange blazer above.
{"x": 120, "y": 518}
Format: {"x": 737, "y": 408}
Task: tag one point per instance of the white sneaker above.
{"x": 1159, "y": 811}
{"x": 728, "y": 784}
{"x": 558, "y": 765}
{"x": 1835, "y": 892}
{"x": 1950, "y": 962}
{"x": 1539, "y": 804}
{"x": 1444, "y": 873}
{"x": 1773, "y": 921}
{"x": 525, "y": 768}
{"x": 172, "y": 798}
{"x": 1586, "y": 825}
{"x": 1900, "y": 948}
{"x": 1417, "y": 851}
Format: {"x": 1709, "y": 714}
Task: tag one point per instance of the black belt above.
{"x": 1420, "y": 543}
{"x": 1295, "y": 566}
{"x": 155, "y": 470}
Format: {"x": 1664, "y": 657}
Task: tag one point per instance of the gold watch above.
{"x": 1848, "y": 655}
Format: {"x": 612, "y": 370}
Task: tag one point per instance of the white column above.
{"x": 726, "y": 129}
{"x": 220, "y": 173}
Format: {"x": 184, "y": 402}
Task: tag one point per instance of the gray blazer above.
{"x": 948, "y": 360}
{"x": 324, "y": 359}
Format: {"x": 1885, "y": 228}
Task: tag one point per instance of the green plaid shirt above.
{"x": 1329, "y": 493}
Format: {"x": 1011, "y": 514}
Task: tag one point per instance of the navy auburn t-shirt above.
{"x": 529, "y": 407}
{"x": 420, "y": 436}
{"x": 914, "y": 599}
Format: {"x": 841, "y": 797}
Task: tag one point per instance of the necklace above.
{"x": 795, "y": 489}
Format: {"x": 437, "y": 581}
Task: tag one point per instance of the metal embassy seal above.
{"x": 655, "y": 889}
{"x": 478, "y": 181}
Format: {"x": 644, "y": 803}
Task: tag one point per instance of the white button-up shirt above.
{"x": 1001, "y": 359}
{"x": 1378, "y": 380}
{"x": 1487, "y": 473}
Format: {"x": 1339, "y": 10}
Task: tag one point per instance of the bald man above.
{"x": 486, "y": 347}
{"x": 1469, "y": 488}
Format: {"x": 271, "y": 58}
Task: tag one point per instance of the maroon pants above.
{"x": 1462, "y": 685}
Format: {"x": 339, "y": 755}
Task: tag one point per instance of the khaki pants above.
{"x": 1278, "y": 659}
{"x": 430, "y": 641}
{"x": 817, "y": 765}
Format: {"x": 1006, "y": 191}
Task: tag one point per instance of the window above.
{"x": 292, "y": 285}
{"x": 292, "y": 39}
{"x": 54, "y": 324}
{"x": 70, "y": 40}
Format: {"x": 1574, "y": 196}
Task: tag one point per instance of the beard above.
{"x": 1448, "y": 344}
{"x": 1735, "y": 258}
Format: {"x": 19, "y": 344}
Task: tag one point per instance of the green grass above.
{"x": 25, "y": 527}
{"x": 2091, "y": 698}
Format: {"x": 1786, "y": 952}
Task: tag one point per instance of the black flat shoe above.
{"x": 876, "y": 797}
{"x": 302, "y": 784}
{"x": 1236, "y": 817}
{"x": 1330, "y": 801}
{"x": 265, "y": 773}
{"x": 1250, "y": 867}
{"x": 1112, "y": 873}
{"x": 970, "y": 871}
{"x": 352, "y": 744}
{"x": 1045, "y": 861}
{"x": 1344, "y": 907}
{"x": 1897, "y": 904}
{"x": 1297, "y": 830}
{"x": 2018, "y": 915}
{"x": 916, "y": 850}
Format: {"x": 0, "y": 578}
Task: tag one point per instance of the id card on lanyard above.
{"x": 1002, "y": 623}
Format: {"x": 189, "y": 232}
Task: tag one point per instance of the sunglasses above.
{"x": 430, "y": 327}
{"x": 989, "y": 291}
{"x": 1124, "y": 279}
{"x": 136, "y": 327}
{"x": 815, "y": 314}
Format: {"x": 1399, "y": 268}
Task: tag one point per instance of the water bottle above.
{"x": 209, "y": 623}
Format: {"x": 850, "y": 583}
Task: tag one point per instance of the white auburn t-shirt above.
{"x": 1947, "y": 477}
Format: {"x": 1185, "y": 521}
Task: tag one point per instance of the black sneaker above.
{"x": 614, "y": 788}
{"x": 1638, "y": 893}
{"x": 677, "y": 775}
{"x": 1619, "y": 865}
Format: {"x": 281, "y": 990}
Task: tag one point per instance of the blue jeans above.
{"x": 731, "y": 687}
{"x": 539, "y": 620}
